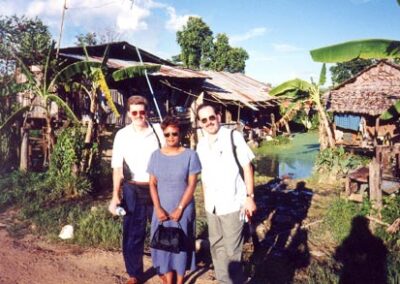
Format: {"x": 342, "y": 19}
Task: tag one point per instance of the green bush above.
{"x": 340, "y": 214}
{"x": 98, "y": 228}
{"x": 65, "y": 173}
{"x": 390, "y": 212}
{"x": 338, "y": 162}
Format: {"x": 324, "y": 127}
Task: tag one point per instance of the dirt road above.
{"x": 35, "y": 261}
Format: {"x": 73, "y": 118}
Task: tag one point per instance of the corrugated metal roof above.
{"x": 165, "y": 70}
{"x": 237, "y": 87}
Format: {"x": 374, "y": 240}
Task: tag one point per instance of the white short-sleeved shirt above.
{"x": 135, "y": 148}
{"x": 224, "y": 189}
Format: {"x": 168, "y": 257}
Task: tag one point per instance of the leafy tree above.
{"x": 343, "y": 71}
{"x": 27, "y": 38}
{"x": 221, "y": 52}
{"x": 86, "y": 39}
{"x": 199, "y": 50}
{"x": 237, "y": 60}
{"x": 192, "y": 40}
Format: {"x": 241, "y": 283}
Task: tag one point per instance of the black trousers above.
{"x": 139, "y": 208}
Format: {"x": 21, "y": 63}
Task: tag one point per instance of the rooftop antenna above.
{"x": 62, "y": 26}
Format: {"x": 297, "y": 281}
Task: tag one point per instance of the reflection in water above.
{"x": 277, "y": 166}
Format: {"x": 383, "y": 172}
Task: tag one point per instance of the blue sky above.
{"x": 277, "y": 34}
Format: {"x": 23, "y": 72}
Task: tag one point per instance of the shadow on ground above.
{"x": 280, "y": 242}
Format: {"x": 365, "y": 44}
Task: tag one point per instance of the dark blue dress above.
{"x": 172, "y": 173}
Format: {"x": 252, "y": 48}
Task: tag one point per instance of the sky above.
{"x": 277, "y": 34}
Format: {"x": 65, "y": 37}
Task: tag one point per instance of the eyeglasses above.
{"x": 140, "y": 112}
{"x": 210, "y": 118}
{"x": 168, "y": 134}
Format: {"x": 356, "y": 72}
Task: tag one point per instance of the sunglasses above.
{"x": 210, "y": 118}
{"x": 168, "y": 134}
{"x": 140, "y": 112}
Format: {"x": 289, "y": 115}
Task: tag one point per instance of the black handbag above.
{"x": 172, "y": 239}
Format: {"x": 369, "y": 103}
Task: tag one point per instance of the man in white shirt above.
{"x": 133, "y": 145}
{"x": 227, "y": 196}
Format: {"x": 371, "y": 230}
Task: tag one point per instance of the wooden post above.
{"x": 273, "y": 125}
{"x": 375, "y": 192}
{"x": 23, "y": 165}
{"x": 376, "y": 132}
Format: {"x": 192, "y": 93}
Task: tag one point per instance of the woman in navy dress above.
{"x": 173, "y": 173}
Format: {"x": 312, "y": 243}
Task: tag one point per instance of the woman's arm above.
{"x": 162, "y": 215}
{"x": 186, "y": 198}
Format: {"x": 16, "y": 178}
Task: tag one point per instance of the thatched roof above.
{"x": 370, "y": 92}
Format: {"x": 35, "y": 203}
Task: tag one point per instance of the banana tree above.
{"x": 365, "y": 49}
{"x": 301, "y": 92}
{"x": 45, "y": 89}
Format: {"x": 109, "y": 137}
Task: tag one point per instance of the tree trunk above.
{"x": 23, "y": 165}
{"x": 287, "y": 127}
{"x": 325, "y": 124}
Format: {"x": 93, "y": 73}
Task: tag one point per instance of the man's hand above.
{"x": 162, "y": 215}
{"x": 250, "y": 206}
{"x": 115, "y": 201}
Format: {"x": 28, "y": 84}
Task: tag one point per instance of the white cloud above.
{"x": 176, "y": 22}
{"x": 285, "y": 48}
{"x": 256, "y": 32}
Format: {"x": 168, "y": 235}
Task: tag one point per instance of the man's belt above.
{"x": 138, "y": 183}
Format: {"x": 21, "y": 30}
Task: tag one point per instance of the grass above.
{"x": 95, "y": 227}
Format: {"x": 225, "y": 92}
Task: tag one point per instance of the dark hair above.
{"x": 170, "y": 121}
{"x": 204, "y": 105}
{"x": 137, "y": 100}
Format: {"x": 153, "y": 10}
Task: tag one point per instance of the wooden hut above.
{"x": 357, "y": 104}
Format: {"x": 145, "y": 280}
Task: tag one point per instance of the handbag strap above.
{"x": 179, "y": 224}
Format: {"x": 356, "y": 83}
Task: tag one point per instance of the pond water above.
{"x": 295, "y": 159}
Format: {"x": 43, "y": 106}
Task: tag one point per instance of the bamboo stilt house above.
{"x": 357, "y": 103}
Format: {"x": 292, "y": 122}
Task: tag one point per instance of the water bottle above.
{"x": 120, "y": 211}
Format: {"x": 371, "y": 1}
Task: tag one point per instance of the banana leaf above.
{"x": 16, "y": 115}
{"x": 292, "y": 85}
{"x": 366, "y": 49}
{"x": 98, "y": 76}
{"x": 134, "y": 71}
{"x": 322, "y": 75}
{"x": 71, "y": 70}
{"x": 64, "y": 106}
{"x": 392, "y": 112}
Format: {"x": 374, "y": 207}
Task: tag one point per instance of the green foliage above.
{"x": 200, "y": 50}
{"x": 365, "y": 49}
{"x": 393, "y": 264}
{"x": 340, "y": 214}
{"x": 27, "y": 38}
{"x": 226, "y": 58}
{"x": 343, "y": 71}
{"x": 98, "y": 228}
{"x": 338, "y": 162}
{"x": 283, "y": 90}
{"x": 390, "y": 212}
{"x": 86, "y": 39}
{"x": 33, "y": 193}
{"x": 134, "y": 71}
{"x": 392, "y": 112}
{"x": 64, "y": 171}
{"x": 191, "y": 40}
